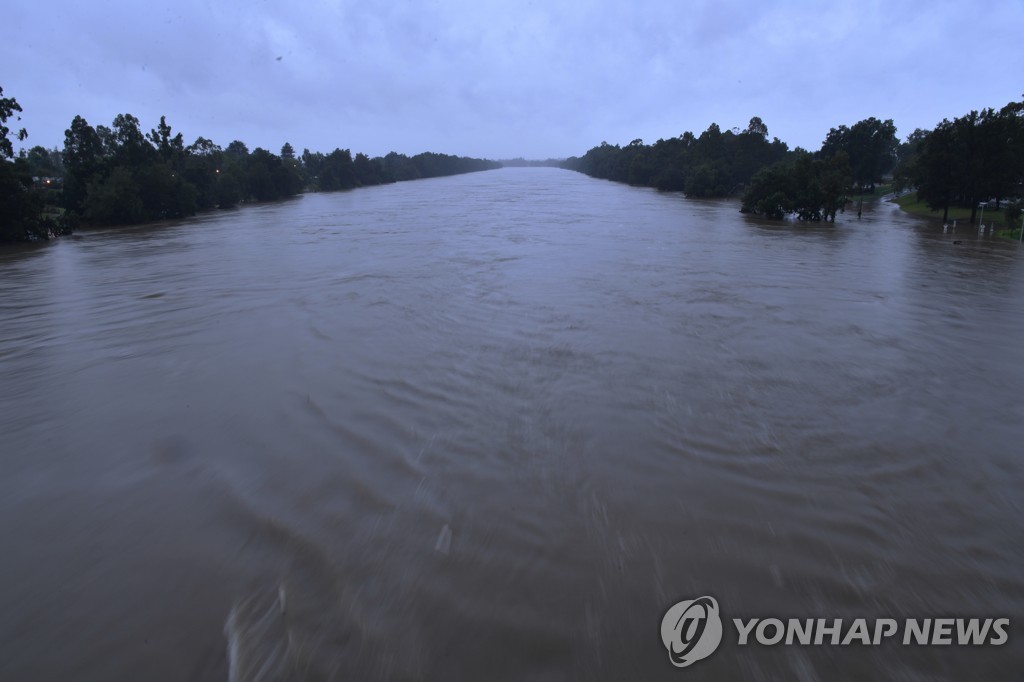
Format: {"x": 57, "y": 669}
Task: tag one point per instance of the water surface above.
{"x": 493, "y": 426}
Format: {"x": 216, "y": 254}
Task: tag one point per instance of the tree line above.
{"x": 715, "y": 164}
{"x": 973, "y": 158}
{"x": 120, "y": 175}
{"x": 117, "y": 175}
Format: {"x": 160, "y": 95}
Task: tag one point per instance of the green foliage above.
{"x": 44, "y": 162}
{"x": 715, "y": 164}
{"x": 870, "y": 146}
{"x": 771, "y": 192}
{"x": 1013, "y": 212}
{"x": 338, "y": 170}
{"x": 228, "y": 191}
{"x": 117, "y": 175}
{"x": 939, "y": 167}
{"x": 814, "y": 188}
{"x": 202, "y": 166}
{"x": 21, "y": 202}
{"x": 973, "y": 158}
{"x": 114, "y": 199}
{"x": 165, "y": 193}
{"x": 911, "y": 204}
{"x": 367, "y": 171}
{"x": 8, "y": 107}
{"x": 84, "y": 161}
{"x": 20, "y": 208}
{"x": 131, "y": 148}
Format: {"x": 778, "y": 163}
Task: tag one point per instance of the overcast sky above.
{"x": 504, "y": 79}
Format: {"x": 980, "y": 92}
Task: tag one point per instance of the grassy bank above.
{"x": 910, "y": 204}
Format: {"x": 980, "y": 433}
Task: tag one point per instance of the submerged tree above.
{"x": 813, "y": 188}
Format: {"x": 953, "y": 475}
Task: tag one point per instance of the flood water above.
{"x": 491, "y": 427}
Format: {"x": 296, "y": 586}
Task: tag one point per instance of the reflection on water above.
{"x": 492, "y": 427}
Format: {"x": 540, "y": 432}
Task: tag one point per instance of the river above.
{"x": 492, "y": 426}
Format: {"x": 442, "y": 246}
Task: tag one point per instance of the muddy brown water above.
{"x": 493, "y": 426}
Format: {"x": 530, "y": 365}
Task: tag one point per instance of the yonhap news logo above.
{"x": 692, "y": 630}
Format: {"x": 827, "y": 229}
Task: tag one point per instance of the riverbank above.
{"x": 1011, "y": 234}
{"x": 911, "y": 204}
{"x": 82, "y": 225}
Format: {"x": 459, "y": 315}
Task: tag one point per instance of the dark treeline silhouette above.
{"x": 22, "y": 200}
{"x": 119, "y": 175}
{"x": 520, "y": 162}
{"x": 338, "y": 170}
{"x": 977, "y": 157}
{"x": 817, "y": 186}
{"x": 973, "y": 158}
{"x": 774, "y": 181}
{"x": 715, "y": 164}
{"x": 813, "y": 187}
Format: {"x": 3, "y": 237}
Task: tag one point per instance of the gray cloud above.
{"x": 503, "y": 79}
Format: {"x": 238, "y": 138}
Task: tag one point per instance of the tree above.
{"x": 203, "y": 161}
{"x": 939, "y": 168}
{"x": 83, "y": 161}
{"x": 757, "y": 128}
{"x": 9, "y": 107}
{"x": 236, "y": 150}
{"x": 1000, "y": 143}
{"x": 973, "y": 158}
{"x": 367, "y": 172}
{"x": 813, "y": 188}
{"x": 170, "y": 149}
{"x": 114, "y": 200}
{"x": 715, "y": 164}
{"x": 131, "y": 148}
{"x": 43, "y": 162}
{"x": 909, "y": 154}
{"x": 228, "y": 191}
{"x": 164, "y": 193}
{"x": 297, "y": 175}
{"x": 117, "y": 175}
{"x": 21, "y": 206}
{"x": 833, "y": 177}
{"x": 338, "y": 171}
{"x": 870, "y": 146}
{"x": 770, "y": 193}
{"x": 399, "y": 167}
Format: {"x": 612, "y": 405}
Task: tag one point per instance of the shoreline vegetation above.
{"x": 1004, "y": 221}
{"x": 118, "y": 175}
{"x": 961, "y": 165}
